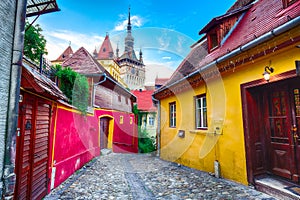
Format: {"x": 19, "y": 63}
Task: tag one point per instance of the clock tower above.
{"x": 132, "y": 69}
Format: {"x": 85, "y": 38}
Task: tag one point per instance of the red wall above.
{"x": 74, "y": 139}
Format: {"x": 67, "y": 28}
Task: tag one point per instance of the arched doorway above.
{"x": 106, "y": 132}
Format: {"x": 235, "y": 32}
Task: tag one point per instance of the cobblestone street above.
{"x": 142, "y": 176}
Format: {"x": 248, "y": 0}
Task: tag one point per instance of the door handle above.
{"x": 295, "y": 135}
{"x": 294, "y": 128}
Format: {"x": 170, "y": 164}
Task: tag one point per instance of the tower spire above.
{"x": 129, "y": 22}
{"x": 129, "y": 40}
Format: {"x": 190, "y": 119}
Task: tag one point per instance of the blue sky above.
{"x": 164, "y": 30}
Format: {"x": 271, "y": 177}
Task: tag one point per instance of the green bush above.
{"x": 146, "y": 143}
{"x": 74, "y": 86}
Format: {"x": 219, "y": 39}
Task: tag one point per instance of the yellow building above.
{"x": 219, "y": 114}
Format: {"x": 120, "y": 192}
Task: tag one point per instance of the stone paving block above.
{"x": 142, "y": 176}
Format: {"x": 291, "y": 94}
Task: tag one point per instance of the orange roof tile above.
{"x": 106, "y": 51}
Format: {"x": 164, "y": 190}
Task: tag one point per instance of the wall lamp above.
{"x": 267, "y": 73}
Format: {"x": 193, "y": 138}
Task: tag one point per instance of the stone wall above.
{"x": 7, "y": 22}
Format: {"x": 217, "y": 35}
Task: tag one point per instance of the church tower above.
{"x": 132, "y": 68}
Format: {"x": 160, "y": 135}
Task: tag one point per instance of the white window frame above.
{"x": 201, "y": 112}
{"x": 172, "y": 114}
{"x": 151, "y": 121}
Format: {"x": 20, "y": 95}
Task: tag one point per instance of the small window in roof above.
{"x": 213, "y": 41}
{"x": 287, "y": 3}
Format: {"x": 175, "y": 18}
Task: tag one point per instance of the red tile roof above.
{"x": 106, "y": 51}
{"x": 144, "y": 100}
{"x": 264, "y": 16}
{"x": 83, "y": 62}
{"x": 261, "y": 18}
{"x": 65, "y": 55}
{"x": 33, "y": 81}
{"x": 238, "y": 4}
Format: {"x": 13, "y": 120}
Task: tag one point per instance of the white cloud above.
{"x": 159, "y": 70}
{"x": 58, "y": 41}
{"x": 166, "y": 58}
{"x": 136, "y": 21}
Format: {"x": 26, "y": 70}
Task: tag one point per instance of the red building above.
{"x": 54, "y": 139}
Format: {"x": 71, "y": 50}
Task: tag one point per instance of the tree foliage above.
{"x": 34, "y": 42}
{"x": 146, "y": 143}
{"x": 74, "y": 86}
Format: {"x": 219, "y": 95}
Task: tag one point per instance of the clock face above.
{"x": 132, "y": 70}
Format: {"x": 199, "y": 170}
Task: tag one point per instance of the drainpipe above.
{"x": 158, "y": 125}
{"x": 9, "y": 177}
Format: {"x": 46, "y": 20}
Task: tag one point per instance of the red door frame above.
{"x": 247, "y": 100}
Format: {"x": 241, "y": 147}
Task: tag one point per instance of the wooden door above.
{"x": 296, "y": 129}
{"x": 282, "y": 119}
{"x": 104, "y": 128}
{"x": 33, "y": 148}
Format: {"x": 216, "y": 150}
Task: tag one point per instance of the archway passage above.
{"x": 272, "y": 129}
{"x": 106, "y": 133}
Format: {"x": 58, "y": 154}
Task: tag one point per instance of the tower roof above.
{"x": 83, "y": 62}
{"x": 106, "y": 51}
{"x": 66, "y": 54}
{"x": 129, "y": 23}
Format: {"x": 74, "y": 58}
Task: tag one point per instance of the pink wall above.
{"x": 75, "y": 139}
{"x": 125, "y": 135}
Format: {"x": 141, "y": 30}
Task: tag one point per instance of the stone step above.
{"x": 105, "y": 152}
{"x": 278, "y": 188}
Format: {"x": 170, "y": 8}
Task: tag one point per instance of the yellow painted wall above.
{"x": 199, "y": 148}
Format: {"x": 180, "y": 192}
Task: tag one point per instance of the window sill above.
{"x": 200, "y": 132}
{"x": 203, "y": 132}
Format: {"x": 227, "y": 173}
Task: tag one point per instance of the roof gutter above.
{"x": 263, "y": 38}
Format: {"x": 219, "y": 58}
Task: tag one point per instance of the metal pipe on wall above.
{"x": 9, "y": 176}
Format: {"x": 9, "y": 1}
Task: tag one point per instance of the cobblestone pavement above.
{"x": 142, "y": 176}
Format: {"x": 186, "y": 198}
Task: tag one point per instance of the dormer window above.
{"x": 219, "y": 29}
{"x": 287, "y": 3}
{"x": 213, "y": 40}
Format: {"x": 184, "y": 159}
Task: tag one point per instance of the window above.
{"x": 131, "y": 120}
{"x": 121, "y": 119}
{"x": 119, "y": 98}
{"x": 172, "y": 111}
{"x": 213, "y": 41}
{"x": 201, "y": 112}
{"x": 151, "y": 121}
